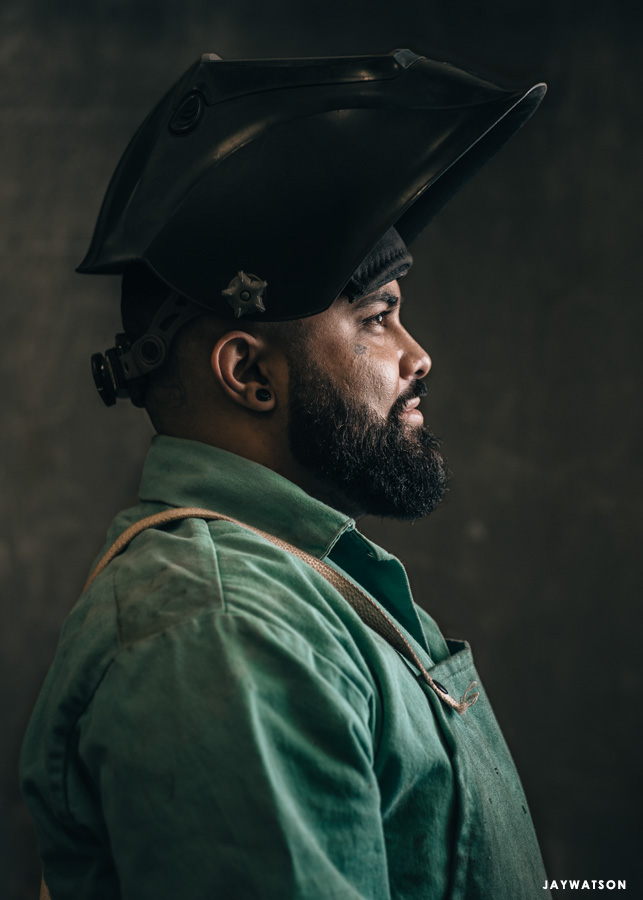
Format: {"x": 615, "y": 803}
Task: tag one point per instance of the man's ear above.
{"x": 239, "y": 366}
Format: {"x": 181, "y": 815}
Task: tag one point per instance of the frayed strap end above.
{"x": 469, "y": 697}
{"x": 462, "y": 705}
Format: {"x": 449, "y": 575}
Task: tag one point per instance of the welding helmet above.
{"x": 256, "y": 188}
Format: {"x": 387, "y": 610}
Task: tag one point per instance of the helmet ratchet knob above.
{"x": 103, "y": 379}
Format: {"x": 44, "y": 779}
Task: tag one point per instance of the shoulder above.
{"x": 195, "y": 575}
{"x": 194, "y": 617}
{"x": 216, "y": 604}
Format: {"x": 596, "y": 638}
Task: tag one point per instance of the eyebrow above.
{"x": 373, "y": 299}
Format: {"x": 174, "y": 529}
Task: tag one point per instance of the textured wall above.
{"x": 526, "y": 291}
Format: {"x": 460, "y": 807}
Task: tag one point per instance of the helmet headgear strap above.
{"x": 122, "y": 371}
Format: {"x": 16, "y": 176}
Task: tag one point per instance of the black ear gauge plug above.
{"x": 263, "y": 394}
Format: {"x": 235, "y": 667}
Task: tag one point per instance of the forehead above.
{"x": 343, "y": 310}
{"x": 389, "y": 294}
{"x": 343, "y": 319}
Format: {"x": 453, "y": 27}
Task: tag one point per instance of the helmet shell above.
{"x": 291, "y": 170}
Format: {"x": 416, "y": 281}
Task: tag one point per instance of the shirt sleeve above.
{"x": 231, "y": 759}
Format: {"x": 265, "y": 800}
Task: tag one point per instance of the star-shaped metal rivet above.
{"x": 245, "y": 294}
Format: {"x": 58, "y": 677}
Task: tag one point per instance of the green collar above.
{"x": 179, "y": 472}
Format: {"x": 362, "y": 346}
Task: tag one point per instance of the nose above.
{"x": 415, "y": 361}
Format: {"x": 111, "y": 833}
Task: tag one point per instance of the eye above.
{"x": 378, "y": 318}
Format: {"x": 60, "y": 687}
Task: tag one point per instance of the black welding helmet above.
{"x": 258, "y": 187}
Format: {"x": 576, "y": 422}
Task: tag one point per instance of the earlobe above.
{"x": 237, "y": 364}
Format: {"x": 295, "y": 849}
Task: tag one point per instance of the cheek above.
{"x": 356, "y": 366}
{"x": 372, "y": 381}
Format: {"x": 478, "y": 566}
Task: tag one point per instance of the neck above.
{"x": 269, "y": 447}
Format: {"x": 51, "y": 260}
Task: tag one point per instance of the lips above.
{"x": 411, "y": 413}
{"x": 406, "y": 405}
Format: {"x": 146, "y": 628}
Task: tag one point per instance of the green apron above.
{"x": 496, "y": 854}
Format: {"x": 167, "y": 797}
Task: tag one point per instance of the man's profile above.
{"x": 246, "y": 701}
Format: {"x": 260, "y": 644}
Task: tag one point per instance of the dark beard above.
{"x": 384, "y": 467}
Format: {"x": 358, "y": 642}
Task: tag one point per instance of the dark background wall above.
{"x": 526, "y": 291}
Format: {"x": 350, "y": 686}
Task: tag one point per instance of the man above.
{"x": 246, "y": 702}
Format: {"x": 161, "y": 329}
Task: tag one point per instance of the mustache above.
{"x": 417, "y": 389}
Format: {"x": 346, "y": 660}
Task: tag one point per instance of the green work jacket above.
{"x": 219, "y": 724}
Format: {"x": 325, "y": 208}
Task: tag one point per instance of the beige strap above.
{"x": 365, "y": 607}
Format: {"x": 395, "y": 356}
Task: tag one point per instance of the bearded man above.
{"x": 246, "y": 701}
